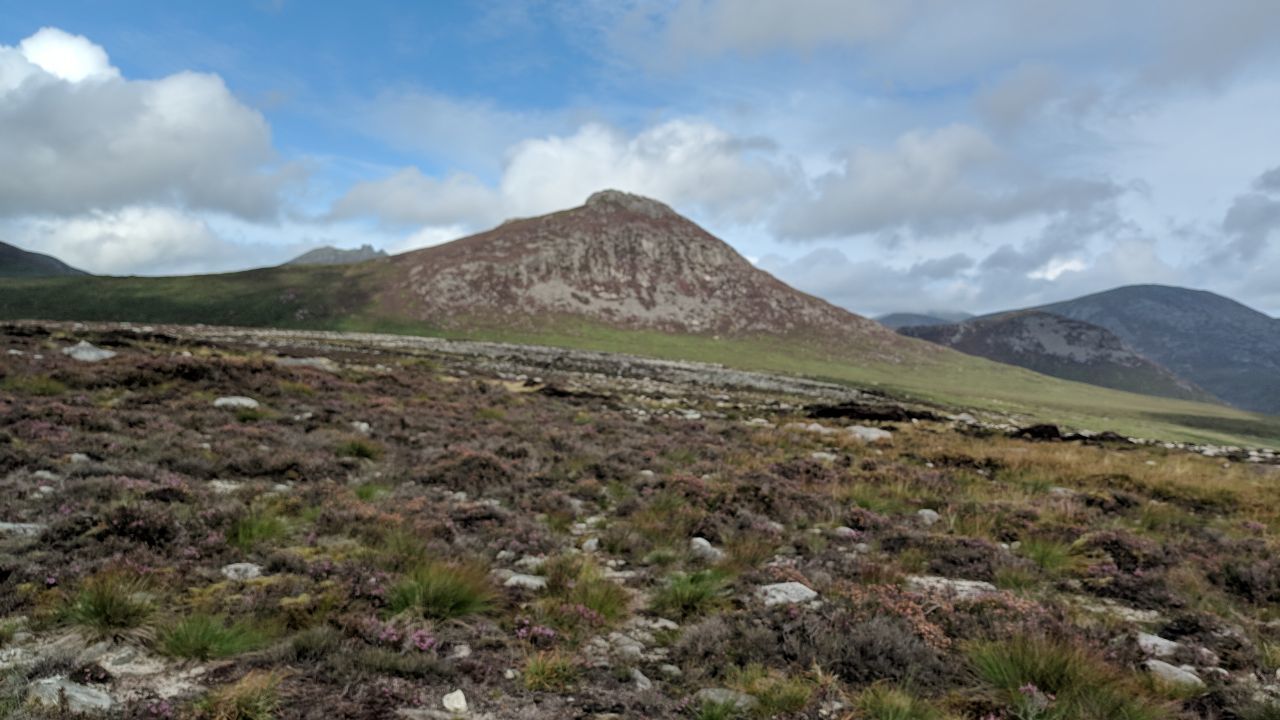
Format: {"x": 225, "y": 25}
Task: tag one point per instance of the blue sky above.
{"x": 909, "y": 155}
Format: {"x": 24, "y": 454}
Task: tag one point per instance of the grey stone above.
{"x": 455, "y": 702}
{"x": 23, "y": 529}
{"x": 238, "y": 402}
{"x": 318, "y": 363}
{"x": 701, "y": 549}
{"x": 642, "y": 682}
{"x": 1156, "y": 646}
{"x": 963, "y": 589}
{"x": 670, "y": 670}
{"x": 525, "y": 582}
{"x": 1173, "y": 674}
{"x": 85, "y": 352}
{"x": 927, "y": 517}
{"x": 80, "y": 698}
{"x": 724, "y": 696}
{"x": 823, "y": 456}
{"x": 869, "y": 434}
{"x": 241, "y": 571}
{"x": 786, "y": 593}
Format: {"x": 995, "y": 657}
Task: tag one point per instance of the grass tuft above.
{"x": 110, "y": 606}
{"x": 204, "y": 637}
{"x": 688, "y": 594}
{"x": 443, "y": 591}
{"x": 254, "y": 697}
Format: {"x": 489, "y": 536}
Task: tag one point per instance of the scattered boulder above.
{"x": 927, "y": 517}
{"x": 962, "y": 589}
{"x": 641, "y": 680}
{"x": 869, "y": 434}
{"x": 701, "y": 549}
{"x": 241, "y": 571}
{"x": 80, "y": 698}
{"x": 85, "y": 352}
{"x": 1173, "y": 674}
{"x": 790, "y": 593}
{"x": 455, "y": 702}
{"x": 237, "y": 402}
{"x": 724, "y": 696}
{"x": 21, "y": 529}
{"x": 1038, "y": 432}
{"x": 323, "y": 364}
{"x": 1156, "y": 646}
{"x": 525, "y": 582}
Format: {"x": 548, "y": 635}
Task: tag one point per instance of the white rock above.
{"x": 241, "y": 571}
{"x": 224, "y": 487}
{"x": 724, "y": 696}
{"x": 670, "y": 670}
{"x": 80, "y": 698}
{"x": 21, "y": 529}
{"x": 362, "y": 427}
{"x": 785, "y": 593}
{"x": 526, "y": 582}
{"x": 1156, "y": 646}
{"x": 845, "y": 532}
{"x": 45, "y": 475}
{"x": 823, "y": 456}
{"x": 927, "y": 517}
{"x": 1172, "y": 674}
{"x": 869, "y": 434}
{"x": 455, "y": 702}
{"x": 591, "y": 545}
{"x": 962, "y": 589}
{"x": 701, "y": 549}
{"x": 237, "y": 402}
{"x": 79, "y": 458}
{"x": 318, "y": 363}
{"x": 84, "y": 352}
{"x": 642, "y": 682}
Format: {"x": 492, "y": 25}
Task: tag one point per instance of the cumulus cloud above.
{"x": 1253, "y": 219}
{"x": 932, "y": 183}
{"x": 410, "y": 198}
{"x": 75, "y": 136}
{"x": 691, "y": 162}
{"x": 122, "y": 241}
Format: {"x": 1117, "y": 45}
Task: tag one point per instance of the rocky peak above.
{"x": 618, "y": 201}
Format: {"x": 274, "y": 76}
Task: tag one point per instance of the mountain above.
{"x": 1060, "y": 347}
{"x": 329, "y": 255}
{"x": 620, "y": 274}
{"x": 620, "y": 260}
{"x": 901, "y": 320}
{"x": 16, "y": 262}
{"x": 1219, "y": 344}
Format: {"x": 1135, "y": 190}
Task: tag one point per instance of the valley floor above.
{"x": 204, "y": 523}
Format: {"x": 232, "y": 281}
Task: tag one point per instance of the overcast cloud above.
{"x": 884, "y": 154}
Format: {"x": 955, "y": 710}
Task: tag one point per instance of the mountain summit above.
{"x": 620, "y": 260}
{"x": 1231, "y": 350}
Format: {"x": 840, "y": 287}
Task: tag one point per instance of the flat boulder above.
{"x": 786, "y": 593}
{"x": 80, "y": 698}
{"x": 86, "y": 352}
{"x": 236, "y": 402}
{"x": 961, "y": 589}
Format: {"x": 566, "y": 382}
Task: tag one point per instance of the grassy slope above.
{"x": 338, "y": 297}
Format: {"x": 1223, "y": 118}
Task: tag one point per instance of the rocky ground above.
{"x": 227, "y": 524}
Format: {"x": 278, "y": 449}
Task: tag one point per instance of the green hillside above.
{"x": 343, "y": 298}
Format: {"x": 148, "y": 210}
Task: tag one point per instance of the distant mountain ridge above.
{"x": 1223, "y": 346}
{"x": 330, "y": 255}
{"x": 16, "y": 262}
{"x": 1061, "y": 347}
{"x": 901, "y": 320}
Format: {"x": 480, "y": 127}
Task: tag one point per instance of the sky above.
{"x": 886, "y": 155}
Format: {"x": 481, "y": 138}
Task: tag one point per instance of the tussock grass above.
{"x": 689, "y": 594}
{"x": 549, "y": 671}
{"x": 1054, "y": 679}
{"x": 443, "y": 591}
{"x": 254, "y": 697}
{"x": 261, "y": 525}
{"x": 204, "y": 637}
{"x": 111, "y": 605}
{"x": 886, "y": 702}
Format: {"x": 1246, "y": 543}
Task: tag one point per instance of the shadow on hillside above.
{"x": 1261, "y": 427}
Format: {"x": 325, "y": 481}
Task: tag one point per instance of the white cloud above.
{"x": 932, "y": 183}
{"x": 156, "y": 240}
{"x": 70, "y": 57}
{"x": 75, "y": 136}
{"x": 410, "y": 198}
{"x": 691, "y": 162}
